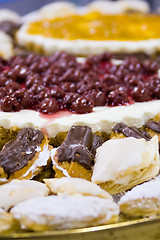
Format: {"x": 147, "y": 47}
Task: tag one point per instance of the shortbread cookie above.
{"x": 121, "y": 164}
{"x": 142, "y": 200}
{"x": 18, "y": 191}
{"x": 75, "y": 186}
{"x": 25, "y": 156}
{"x": 67, "y": 212}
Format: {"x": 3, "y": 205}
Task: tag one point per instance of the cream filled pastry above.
{"x": 18, "y": 191}
{"x": 142, "y": 200}
{"x": 75, "y": 186}
{"x": 57, "y": 212}
{"x": 123, "y": 163}
{"x": 6, "y": 46}
{"x": 25, "y": 156}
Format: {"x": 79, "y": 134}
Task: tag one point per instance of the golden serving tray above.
{"x": 142, "y": 229}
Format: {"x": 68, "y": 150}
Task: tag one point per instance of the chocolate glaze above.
{"x": 9, "y": 27}
{"x": 155, "y": 126}
{"x": 17, "y": 153}
{"x": 131, "y": 131}
{"x": 79, "y": 146}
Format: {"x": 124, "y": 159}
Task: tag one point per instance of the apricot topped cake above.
{"x": 92, "y": 32}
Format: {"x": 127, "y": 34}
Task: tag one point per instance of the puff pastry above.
{"x": 121, "y": 164}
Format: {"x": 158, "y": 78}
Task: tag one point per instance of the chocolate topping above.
{"x": 131, "y": 131}
{"x": 79, "y": 146}
{"x": 16, "y": 154}
{"x": 155, "y": 126}
{"x": 9, "y": 27}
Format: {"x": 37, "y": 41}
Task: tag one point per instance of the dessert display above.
{"x": 79, "y": 136}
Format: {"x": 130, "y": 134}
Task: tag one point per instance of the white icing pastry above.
{"x": 6, "y": 45}
{"x": 9, "y": 15}
{"x": 75, "y": 186}
{"x": 142, "y": 200}
{"x": 41, "y": 161}
{"x": 57, "y": 212}
{"x": 110, "y": 7}
{"x": 18, "y": 191}
{"x": 123, "y": 163}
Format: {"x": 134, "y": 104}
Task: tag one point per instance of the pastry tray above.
{"x": 146, "y": 229}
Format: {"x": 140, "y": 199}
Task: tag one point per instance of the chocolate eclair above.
{"x": 24, "y": 157}
{"x": 121, "y": 130}
{"x": 75, "y": 157}
{"x": 152, "y": 127}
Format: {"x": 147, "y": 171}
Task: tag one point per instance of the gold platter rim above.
{"x": 54, "y": 233}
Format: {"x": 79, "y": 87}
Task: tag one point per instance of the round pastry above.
{"x": 18, "y": 191}
{"x": 67, "y": 212}
{"x": 125, "y": 168}
{"x": 142, "y": 200}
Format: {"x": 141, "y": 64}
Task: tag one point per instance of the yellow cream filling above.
{"x": 95, "y": 26}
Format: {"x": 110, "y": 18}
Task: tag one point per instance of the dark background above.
{"x": 25, "y": 6}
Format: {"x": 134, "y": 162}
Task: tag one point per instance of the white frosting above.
{"x": 147, "y": 190}
{"x": 109, "y": 7}
{"x": 2, "y": 210}
{"x": 118, "y": 156}
{"x": 59, "y": 212}
{"x": 64, "y": 171}
{"x": 74, "y": 186}
{"x": 6, "y": 45}
{"x": 86, "y": 47}
{"x": 9, "y": 15}
{"x": 41, "y": 161}
{"x": 18, "y": 191}
{"x": 101, "y": 119}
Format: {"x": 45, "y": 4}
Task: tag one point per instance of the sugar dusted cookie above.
{"x": 20, "y": 190}
{"x": 142, "y": 200}
{"x": 120, "y": 164}
{"x": 67, "y": 212}
{"x": 75, "y": 186}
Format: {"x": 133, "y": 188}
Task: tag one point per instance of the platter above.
{"x": 135, "y": 229}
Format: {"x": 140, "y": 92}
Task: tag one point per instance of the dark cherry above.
{"x": 9, "y": 104}
{"x": 82, "y": 105}
{"x": 48, "y": 105}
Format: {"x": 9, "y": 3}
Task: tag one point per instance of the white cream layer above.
{"x": 85, "y": 47}
{"x": 101, "y": 119}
